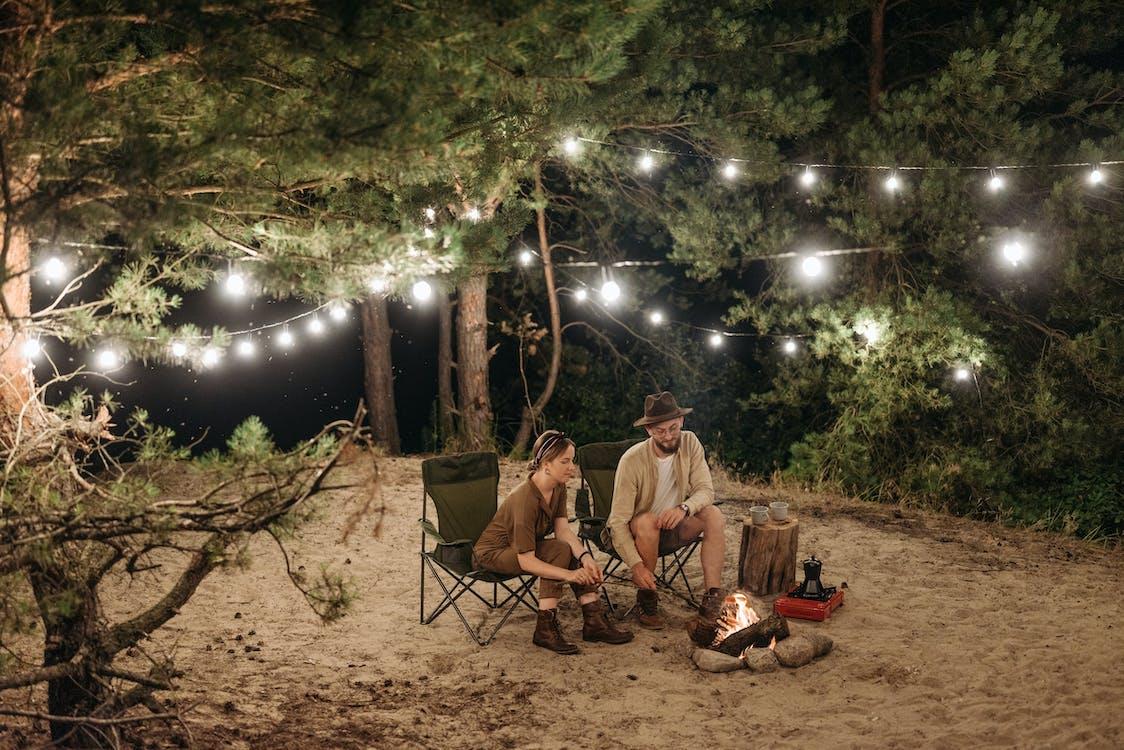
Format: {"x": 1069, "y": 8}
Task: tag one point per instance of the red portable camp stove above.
{"x": 810, "y": 600}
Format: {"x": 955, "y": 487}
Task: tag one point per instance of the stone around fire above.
{"x": 795, "y": 651}
{"x": 759, "y": 660}
{"x": 820, "y": 642}
{"x": 714, "y": 661}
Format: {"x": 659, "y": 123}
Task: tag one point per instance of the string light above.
{"x": 525, "y": 257}
{"x": 870, "y": 331}
{"x": 422, "y": 291}
{"x": 730, "y": 170}
{"x": 962, "y": 374}
{"x": 572, "y": 146}
{"x": 1096, "y": 176}
{"x": 211, "y": 356}
{"x": 245, "y": 348}
{"x": 1014, "y": 252}
{"x": 811, "y": 266}
{"x": 656, "y": 317}
{"x": 715, "y": 340}
{"x": 893, "y": 183}
{"x": 808, "y": 178}
{"x": 377, "y": 285}
{"x": 338, "y": 312}
{"x": 580, "y": 295}
{"x": 285, "y": 338}
{"x": 178, "y": 349}
{"x": 54, "y": 269}
{"x": 235, "y": 284}
{"x": 610, "y": 292}
{"x": 107, "y": 359}
{"x": 316, "y": 326}
{"x": 32, "y": 349}
{"x": 647, "y": 161}
{"x": 789, "y": 347}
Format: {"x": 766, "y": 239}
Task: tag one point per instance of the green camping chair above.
{"x": 598, "y": 463}
{"x": 464, "y": 490}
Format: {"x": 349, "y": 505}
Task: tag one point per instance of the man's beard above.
{"x": 669, "y": 447}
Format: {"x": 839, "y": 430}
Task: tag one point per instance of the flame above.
{"x": 736, "y": 614}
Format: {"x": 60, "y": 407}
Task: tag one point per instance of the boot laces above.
{"x": 649, "y": 605}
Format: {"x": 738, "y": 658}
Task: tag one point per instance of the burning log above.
{"x": 759, "y": 634}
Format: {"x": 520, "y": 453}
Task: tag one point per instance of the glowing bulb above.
{"x": 962, "y": 373}
{"x": 211, "y": 356}
{"x": 422, "y": 291}
{"x": 893, "y": 183}
{"x": 246, "y": 348}
{"x": 235, "y": 284}
{"x": 1014, "y": 252}
{"x": 571, "y": 146}
{"x": 580, "y": 295}
{"x": 811, "y": 266}
{"x": 1096, "y": 177}
{"x": 285, "y": 338}
{"x": 789, "y": 347}
{"x": 54, "y": 269}
{"x": 808, "y": 178}
{"x": 730, "y": 171}
{"x": 32, "y": 348}
{"x": 525, "y": 257}
{"x": 870, "y": 331}
{"x": 377, "y": 285}
{"x": 338, "y": 312}
{"x": 108, "y": 359}
{"x": 656, "y": 317}
{"x": 646, "y": 163}
{"x": 430, "y": 213}
{"x": 715, "y": 340}
{"x": 995, "y": 184}
{"x": 610, "y": 291}
{"x": 473, "y": 214}
{"x": 179, "y": 349}
{"x": 316, "y": 325}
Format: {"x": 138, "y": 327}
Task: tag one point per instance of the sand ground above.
{"x": 954, "y": 634}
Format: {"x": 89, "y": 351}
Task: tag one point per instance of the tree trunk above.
{"x": 767, "y": 559}
{"x": 378, "y": 374}
{"x": 472, "y": 362}
{"x": 446, "y": 406}
{"x": 531, "y": 413}
{"x": 877, "y": 73}
{"x": 15, "y": 374}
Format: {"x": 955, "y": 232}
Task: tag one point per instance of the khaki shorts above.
{"x": 687, "y": 532}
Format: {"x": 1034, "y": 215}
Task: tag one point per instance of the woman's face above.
{"x": 562, "y": 467}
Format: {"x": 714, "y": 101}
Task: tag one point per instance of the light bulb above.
{"x": 235, "y": 284}
{"x": 789, "y": 347}
{"x": 337, "y": 311}
{"x": 808, "y": 178}
{"x": 995, "y": 184}
{"x": 962, "y": 373}
{"x": 870, "y": 331}
{"x": 656, "y": 317}
{"x": 610, "y": 291}
{"x": 211, "y": 356}
{"x": 54, "y": 269}
{"x": 422, "y": 291}
{"x": 525, "y": 257}
{"x": 715, "y": 340}
{"x": 377, "y": 285}
{"x": 571, "y": 146}
{"x": 285, "y": 338}
{"x": 316, "y": 326}
{"x": 580, "y": 295}
{"x": 1096, "y": 177}
{"x": 179, "y": 349}
{"x": 646, "y": 163}
{"x": 893, "y": 183}
{"x": 1014, "y": 252}
{"x": 32, "y": 349}
{"x": 108, "y": 359}
{"x": 246, "y": 348}
{"x": 811, "y": 266}
{"x": 730, "y": 171}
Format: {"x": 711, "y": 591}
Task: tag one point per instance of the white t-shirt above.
{"x": 667, "y": 489}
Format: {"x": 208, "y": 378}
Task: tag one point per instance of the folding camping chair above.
{"x": 598, "y": 463}
{"x": 464, "y": 491}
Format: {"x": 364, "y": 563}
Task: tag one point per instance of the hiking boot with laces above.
{"x": 704, "y": 626}
{"x": 548, "y": 634}
{"x": 648, "y": 609}
{"x": 598, "y": 627}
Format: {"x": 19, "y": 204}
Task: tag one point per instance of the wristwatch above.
{"x": 686, "y": 509}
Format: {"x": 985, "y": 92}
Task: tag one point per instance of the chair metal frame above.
{"x": 463, "y": 581}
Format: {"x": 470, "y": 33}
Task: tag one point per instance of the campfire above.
{"x": 746, "y": 640}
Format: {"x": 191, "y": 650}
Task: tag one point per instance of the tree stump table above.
{"x": 767, "y": 561}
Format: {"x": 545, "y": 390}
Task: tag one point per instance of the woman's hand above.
{"x": 581, "y": 577}
{"x": 591, "y": 567}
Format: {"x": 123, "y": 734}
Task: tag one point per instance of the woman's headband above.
{"x": 546, "y": 445}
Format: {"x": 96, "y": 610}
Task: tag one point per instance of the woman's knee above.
{"x": 555, "y": 552}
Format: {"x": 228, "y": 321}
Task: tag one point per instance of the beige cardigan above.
{"x": 634, "y": 489}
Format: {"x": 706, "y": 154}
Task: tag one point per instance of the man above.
{"x": 663, "y": 499}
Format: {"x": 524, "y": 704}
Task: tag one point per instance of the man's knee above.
{"x": 643, "y": 526}
{"x": 712, "y": 518}
{"x": 555, "y": 552}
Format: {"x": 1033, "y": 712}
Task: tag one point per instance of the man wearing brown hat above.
{"x": 663, "y": 499}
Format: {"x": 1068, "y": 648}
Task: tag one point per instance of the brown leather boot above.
{"x": 648, "y": 609}
{"x": 597, "y": 626}
{"x": 704, "y": 626}
{"x": 549, "y": 635}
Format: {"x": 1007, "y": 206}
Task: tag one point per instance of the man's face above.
{"x": 666, "y": 435}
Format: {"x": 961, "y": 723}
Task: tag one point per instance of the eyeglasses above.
{"x": 666, "y": 431}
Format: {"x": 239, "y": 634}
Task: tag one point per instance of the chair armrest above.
{"x": 581, "y": 504}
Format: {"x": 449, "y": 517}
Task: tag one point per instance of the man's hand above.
{"x": 581, "y": 577}
{"x": 671, "y": 518}
{"x": 643, "y": 577}
{"x": 589, "y": 566}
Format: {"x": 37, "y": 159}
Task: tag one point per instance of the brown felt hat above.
{"x": 660, "y": 407}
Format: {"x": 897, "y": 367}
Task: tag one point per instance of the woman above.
{"x": 515, "y": 542}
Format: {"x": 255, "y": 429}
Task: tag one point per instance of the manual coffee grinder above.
{"x": 811, "y": 600}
